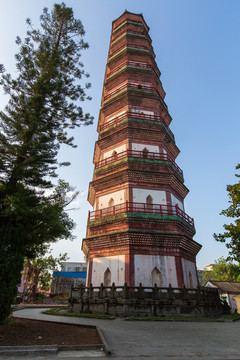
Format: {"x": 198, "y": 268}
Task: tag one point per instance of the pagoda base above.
{"x": 145, "y": 301}
{"x": 146, "y": 269}
{"x": 146, "y": 258}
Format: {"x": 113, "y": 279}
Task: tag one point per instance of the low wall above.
{"x": 63, "y": 285}
{"x": 128, "y": 301}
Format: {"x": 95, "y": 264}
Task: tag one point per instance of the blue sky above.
{"x": 198, "y": 53}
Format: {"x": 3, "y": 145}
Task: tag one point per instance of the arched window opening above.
{"x": 156, "y": 277}
{"x": 111, "y": 202}
{"x": 114, "y": 153}
{"x": 190, "y": 280}
{"x": 139, "y": 86}
{"x": 145, "y": 153}
{"x": 149, "y": 200}
{"x": 107, "y": 278}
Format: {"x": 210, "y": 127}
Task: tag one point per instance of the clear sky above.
{"x": 198, "y": 53}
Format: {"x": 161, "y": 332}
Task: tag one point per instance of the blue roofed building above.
{"x": 71, "y": 274}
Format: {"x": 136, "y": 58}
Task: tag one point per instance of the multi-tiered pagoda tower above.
{"x": 138, "y": 231}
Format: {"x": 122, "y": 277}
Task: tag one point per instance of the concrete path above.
{"x": 157, "y": 340}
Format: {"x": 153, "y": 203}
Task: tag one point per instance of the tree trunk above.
{"x": 35, "y": 280}
{"x": 11, "y": 264}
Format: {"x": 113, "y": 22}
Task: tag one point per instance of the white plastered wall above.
{"x": 88, "y": 263}
{"x": 189, "y": 267}
{"x": 140, "y": 147}
{"x": 118, "y": 113}
{"x": 118, "y": 149}
{"x": 140, "y": 195}
{"x": 231, "y": 301}
{"x": 175, "y": 201}
{"x": 145, "y": 83}
{"x": 115, "y": 264}
{"x": 145, "y": 264}
{"x": 119, "y": 197}
{"x": 140, "y": 111}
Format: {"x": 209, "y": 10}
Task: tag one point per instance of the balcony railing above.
{"x": 131, "y": 85}
{"x": 126, "y": 21}
{"x": 131, "y": 32}
{"x": 135, "y": 115}
{"x": 131, "y": 63}
{"x": 140, "y": 155}
{"x": 132, "y": 45}
{"x": 134, "y": 207}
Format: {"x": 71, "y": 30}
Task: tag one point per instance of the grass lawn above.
{"x": 63, "y": 312}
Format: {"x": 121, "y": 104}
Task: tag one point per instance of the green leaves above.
{"x": 44, "y": 98}
{"x": 44, "y": 103}
{"x": 223, "y": 270}
{"x": 2, "y": 69}
{"x": 232, "y": 234}
{"x": 39, "y": 269}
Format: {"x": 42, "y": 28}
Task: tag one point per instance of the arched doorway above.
{"x": 156, "y": 277}
{"x": 107, "y": 278}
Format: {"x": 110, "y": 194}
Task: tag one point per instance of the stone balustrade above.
{"x": 139, "y": 300}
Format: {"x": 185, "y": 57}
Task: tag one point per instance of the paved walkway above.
{"x": 157, "y": 340}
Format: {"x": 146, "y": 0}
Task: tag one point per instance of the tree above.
{"x": 38, "y": 271}
{"x": 223, "y": 270}
{"x": 43, "y": 105}
{"x": 232, "y": 234}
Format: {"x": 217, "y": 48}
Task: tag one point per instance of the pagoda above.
{"x": 138, "y": 231}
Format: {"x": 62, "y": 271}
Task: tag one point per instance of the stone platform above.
{"x": 145, "y": 301}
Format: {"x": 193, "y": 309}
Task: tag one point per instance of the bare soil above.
{"x": 32, "y": 332}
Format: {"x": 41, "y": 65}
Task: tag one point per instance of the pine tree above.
{"x": 43, "y": 105}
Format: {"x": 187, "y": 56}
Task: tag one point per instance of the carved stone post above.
{"x": 140, "y": 291}
{"x": 90, "y": 291}
{"x": 170, "y": 292}
{"x": 101, "y": 290}
{"x": 125, "y": 291}
{"x": 184, "y": 291}
{"x": 113, "y": 289}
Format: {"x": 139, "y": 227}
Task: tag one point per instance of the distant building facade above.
{"x": 23, "y": 286}
{"x": 71, "y": 274}
{"x": 228, "y": 290}
{"x": 209, "y": 267}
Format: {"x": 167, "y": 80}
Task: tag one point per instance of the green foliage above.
{"x": 38, "y": 271}
{"x": 11, "y": 263}
{"x": 43, "y": 105}
{"x": 62, "y": 312}
{"x": 232, "y": 234}
{"x": 43, "y": 98}
{"x": 223, "y": 270}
